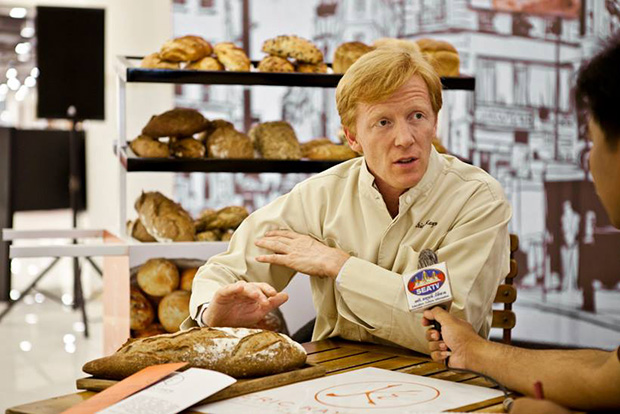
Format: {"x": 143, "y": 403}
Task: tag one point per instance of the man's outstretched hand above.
{"x": 242, "y": 304}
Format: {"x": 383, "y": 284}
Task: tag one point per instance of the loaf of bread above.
{"x": 227, "y": 235}
{"x": 187, "y": 148}
{"x": 148, "y": 147}
{"x": 209, "y": 235}
{"x": 136, "y": 230}
{"x": 275, "y": 64}
{"x": 331, "y": 152}
{"x": 293, "y": 47}
{"x": 187, "y": 278}
{"x": 151, "y": 330}
{"x": 441, "y": 55}
{"x": 232, "y": 57}
{"x": 304, "y": 67}
{"x": 408, "y": 45}
{"x": 184, "y": 49}
{"x": 141, "y": 312}
{"x": 158, "y": 277}
{"x": 227, "y": 142}
{"x": 226, "y": 218}
{"x": 276, "y": 140}
{"x": 206, "y": 63}
{"x": 154, "y": 61}
{"x": 238, "y": 352}
{"x": 178, "y": 122}
{"x": 173, "y": 310}
{"x": 163, "y": 219}
{"x": 347, "y": 53}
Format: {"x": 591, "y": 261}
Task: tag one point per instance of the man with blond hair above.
{"x": 356, "y": 228}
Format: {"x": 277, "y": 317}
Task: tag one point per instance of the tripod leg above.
{"x": 29, "y": 288}
{"x": 94, "y": 265}
{"x": 79, "y": 301}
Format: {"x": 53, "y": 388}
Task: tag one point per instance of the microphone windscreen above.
{"x": 426, "y": 258}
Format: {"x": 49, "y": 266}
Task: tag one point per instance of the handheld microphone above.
{"x": 429, "y": 286}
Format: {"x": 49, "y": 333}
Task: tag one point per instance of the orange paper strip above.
{"x": 123, "y": 389}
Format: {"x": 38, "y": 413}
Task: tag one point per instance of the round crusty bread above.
{"x": 186, "y": 48}
{"x": 209, "y": 235}
{"x": 293, "y": 47}
{"x": 187, "y": 148}
{"x": 232, "y": 57}
{"x": 441, "y": 55}
{"x": 206, "y": 63}
{"x": 148, "y": 147}
{"x": 158, "y": 277}
{"x": 177, "y": 122}
{"x": 154, "y": 61}
{"x": 141, "y": 312}
{"x": 173, "y": 310}
{"x": 347, "y": 54}
{"x": 275, "y": 64}
{"x": 187, "y": 278}
{"x": 227, "y": 142}
{"x": 238, "y": 352}
{"x": 276, "y": 140}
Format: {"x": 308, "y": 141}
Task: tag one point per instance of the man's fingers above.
{"x": 278, "y": 259}
{"x": 432, "y": 335}
{"x": 267, "y": 289}
{"x": 439, "y": 356}
{"x": 439, "y": 314}
{"x": 231, "y": 289}
{"x": 437, "y": 346}
{"x": 278, "y": 299}
{"x": 282, "y": 233}
{"x": 273, "y": 244}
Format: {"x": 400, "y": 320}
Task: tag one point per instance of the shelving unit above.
{"x": 128, "y": 71}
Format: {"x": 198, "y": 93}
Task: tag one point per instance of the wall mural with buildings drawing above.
{"x": 521, "y": 124}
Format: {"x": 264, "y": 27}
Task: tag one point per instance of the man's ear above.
{"x": 352, "y": 140}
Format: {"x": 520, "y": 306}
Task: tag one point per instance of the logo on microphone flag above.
{"x": 426, "y": 282}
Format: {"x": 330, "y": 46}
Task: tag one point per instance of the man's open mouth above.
{"x": 406, "y": 160}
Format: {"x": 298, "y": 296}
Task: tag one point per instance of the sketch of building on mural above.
{"x": 521, "y": 124}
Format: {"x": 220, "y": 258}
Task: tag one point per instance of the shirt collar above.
{"x": 435, "y": 165}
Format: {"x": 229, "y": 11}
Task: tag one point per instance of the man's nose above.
{"x": 404, "y": 135}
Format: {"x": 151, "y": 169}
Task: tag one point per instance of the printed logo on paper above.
{"x": 426, "y": 282}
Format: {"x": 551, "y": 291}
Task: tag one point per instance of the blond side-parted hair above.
{"x": 375, "y": 76}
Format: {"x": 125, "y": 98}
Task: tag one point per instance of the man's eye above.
{"x": 383, "y": 123}
{"x": 418, "y": 115}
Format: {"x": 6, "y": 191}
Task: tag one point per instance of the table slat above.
{"x": 361, "y": 360}
{"x": 332, "y": 354}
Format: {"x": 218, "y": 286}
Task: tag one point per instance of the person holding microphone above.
{"x": 585, "y": 379}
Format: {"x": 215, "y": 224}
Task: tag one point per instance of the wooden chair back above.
{"x": 505, "y": 318}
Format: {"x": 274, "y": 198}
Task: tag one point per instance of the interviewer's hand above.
{"x": 242, "y": 304}
{"x": 301, "y": 253}
{"x": 530, "y": 406}
{"x": 457, "y": 337}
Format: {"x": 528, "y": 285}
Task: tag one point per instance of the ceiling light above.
{"x": 30, "y": 82}
{"x": 13, "y": 84}
{"x": 18, "y": 12}
{"x": 25, "y": 346}
{"x": 11, "y": 73}
{"x": 27, "y": 32}
{"x": 23, "y": 48}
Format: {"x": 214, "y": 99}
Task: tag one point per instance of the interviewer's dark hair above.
{"x": 598, "y": 89}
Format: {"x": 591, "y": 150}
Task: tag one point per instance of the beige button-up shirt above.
{"x": 457, "y": 210}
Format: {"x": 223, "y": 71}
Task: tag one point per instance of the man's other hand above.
{"x": 301, "y": 253}
{"x": 530, "y": 406}
{"x": 242, "y": 304}
{"x": 457, "y": 337}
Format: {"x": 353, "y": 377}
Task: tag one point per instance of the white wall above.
{"x": 133, "y": 27}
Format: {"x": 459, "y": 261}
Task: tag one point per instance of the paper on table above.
{"x": 368, "y": 390}
{"x": 128, "y": 386}
{"x": 174, "y": 393}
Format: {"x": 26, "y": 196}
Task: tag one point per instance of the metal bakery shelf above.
{"x": 129, "y": 71}
{"x": 133, "y": 163}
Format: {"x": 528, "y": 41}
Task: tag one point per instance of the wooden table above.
{"x": 336, "y": 356}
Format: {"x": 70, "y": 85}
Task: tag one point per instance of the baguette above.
{"x": 238, "y": 352}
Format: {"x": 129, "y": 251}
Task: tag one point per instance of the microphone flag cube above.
{"x": 428, "y": 287}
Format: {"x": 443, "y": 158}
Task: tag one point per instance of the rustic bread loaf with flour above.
{"x": 238, "y": 352}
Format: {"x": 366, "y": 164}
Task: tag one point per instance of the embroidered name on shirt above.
{"x": 423, "y": 224}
